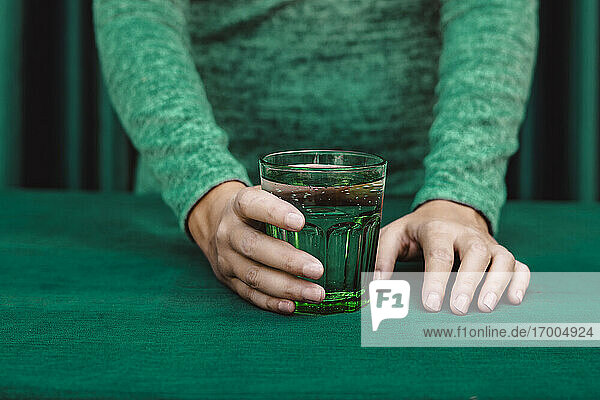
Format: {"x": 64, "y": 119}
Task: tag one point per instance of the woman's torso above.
{"x": 343, "y": 74}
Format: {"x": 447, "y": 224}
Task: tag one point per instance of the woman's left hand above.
{"x": 438, "y": 229}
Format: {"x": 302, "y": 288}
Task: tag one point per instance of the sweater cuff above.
{"x": 191, "y": 190}
{"x": 464, "y": 194}
{"x": 183, "y": 218}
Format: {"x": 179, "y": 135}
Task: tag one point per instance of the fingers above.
{"x": 260, "y": 268}
{"x": 519, "y": 283}
{"x": 475, "y": 257}
{"x": 438, "y": 252}
{"x": 273, "y": 252}
{"x": 275, "y": 283}
{"x": 498, "y": 277}
{"x": 259, "y": 205}
{"x": 388, "y": 250}
{"x": 394, "y": 245}
{"x": 259, "y": 299}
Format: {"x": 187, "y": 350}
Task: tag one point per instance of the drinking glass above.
{"x": 340, "y": 194}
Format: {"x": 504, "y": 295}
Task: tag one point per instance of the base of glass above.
{"x": 334, "y": 303}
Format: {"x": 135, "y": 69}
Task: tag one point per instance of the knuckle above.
{"x": 469, "y": 281}
{"x": 440, "y": 255}
{"x": 221, "y": 262}
{"x": 252, "y": 278}
{"x": 292, "y": 291}
{"x": 501, "y": 250}
{"x": 435, "y": 283}
{"x": 507, "y": 257}
{"x": 497, "y": 280}
{"x": 222, "y": 233}
{"x": 394, "y": 232}
{"x": 522, "y": 269}
{"x": 390, "y": 228}
{"x": 272, "y": 304}
{"x": 243, "y": 200}
{"x": 433, "y": 280}
{"x": 272, "y": 214}
{"x": 248, "y": 243}
{"x": 511, "y": 258}
{"x": 436, "y": 227}
{"x": 222, "y": 267}
{"x": 480, "y": 248}
{"x": 249, "y": 294}
{"x": 289, "y": 263}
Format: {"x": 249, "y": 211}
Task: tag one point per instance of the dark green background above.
{"x": 58, "y": 130}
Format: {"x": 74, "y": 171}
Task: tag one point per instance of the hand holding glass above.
{"x": 340, "y": 194}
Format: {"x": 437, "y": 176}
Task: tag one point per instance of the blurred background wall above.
{"x": 58, "y": 130}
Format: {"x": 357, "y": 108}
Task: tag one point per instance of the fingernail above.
{"x": 461, "y": 303}
{"x": 377, "y": 275}
{"x": 294, "y": 221}
{"x": 313, "y": 293}
{"x": 519, "y": 295}
{"x": 314, "y": 271}
{"x": 490, "y": 300}
{"x": 433, "y": 302}
{"x": 286, "y": 306}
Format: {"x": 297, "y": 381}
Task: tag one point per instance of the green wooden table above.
{"x": 102, "y": 296}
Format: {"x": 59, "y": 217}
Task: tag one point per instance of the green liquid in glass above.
{"x": 341, "y": 230}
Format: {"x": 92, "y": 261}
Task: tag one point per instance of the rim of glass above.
{"x": 378, "y": 161}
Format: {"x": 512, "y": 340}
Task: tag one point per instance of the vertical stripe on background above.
{"x": 113, "y": 159}
{"x": 73, "y": 107}
{"x": 583, "y": 117}
{"x": 10, "y": 81}
{"x": 527, "y": 145}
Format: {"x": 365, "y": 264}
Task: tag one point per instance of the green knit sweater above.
{"x": 436, "y": 87}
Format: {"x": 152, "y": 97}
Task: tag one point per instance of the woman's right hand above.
{"x": 261, "y": 269}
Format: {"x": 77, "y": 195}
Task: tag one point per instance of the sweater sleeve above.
{"x": 485, "y": 71}
{"x": 160, "y": 99}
